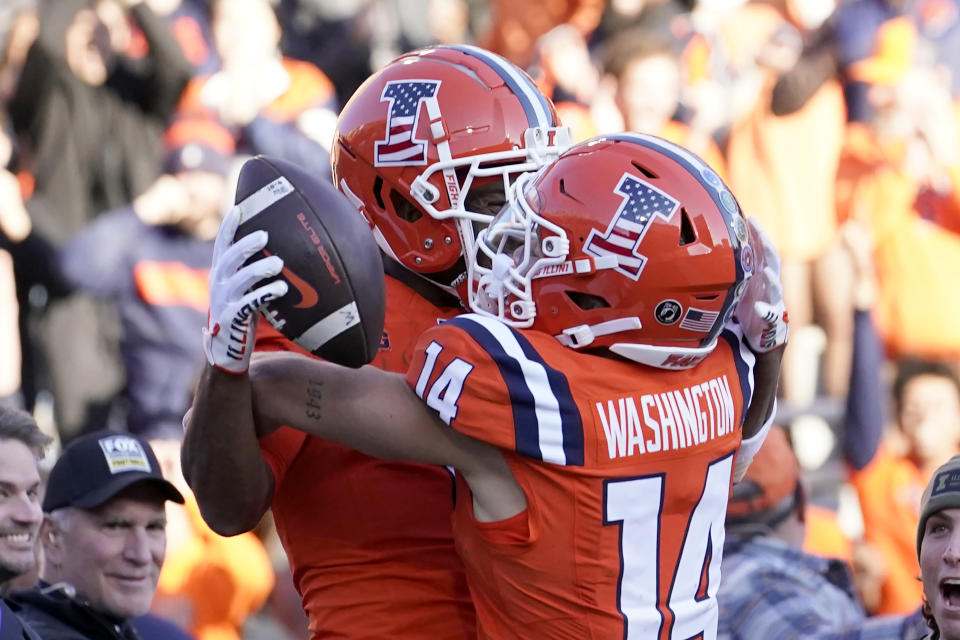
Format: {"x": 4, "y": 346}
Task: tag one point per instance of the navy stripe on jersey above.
{"x": 534, "y": 104}
{"x": 743, "y": 358}
{"x": 546, "y": 422}
{"x": 571, "y": 423}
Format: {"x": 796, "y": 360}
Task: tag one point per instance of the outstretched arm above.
{"x": 375, "y": 412}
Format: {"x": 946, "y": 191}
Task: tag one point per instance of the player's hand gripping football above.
{"x": 234, "y": 308}
{"x": 761, "y": 311}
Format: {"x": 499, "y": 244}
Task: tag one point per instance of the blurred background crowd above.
{"x": 835, "y": 122}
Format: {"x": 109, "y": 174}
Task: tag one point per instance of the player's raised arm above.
{"x": 763, "y": 316}
{"x": 220, "y": 455}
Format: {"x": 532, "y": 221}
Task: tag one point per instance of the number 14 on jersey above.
{"x": 636, "y": 505}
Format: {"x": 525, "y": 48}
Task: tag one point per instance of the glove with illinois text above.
{"x": 234, "y": 308}
{"x": 761, "y": 311}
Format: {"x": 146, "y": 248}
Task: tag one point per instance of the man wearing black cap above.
{"x": 103, "y": 540}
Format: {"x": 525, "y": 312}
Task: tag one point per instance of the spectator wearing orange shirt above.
{"x": 900, "y": 177}
{"x": 783, "y": 169}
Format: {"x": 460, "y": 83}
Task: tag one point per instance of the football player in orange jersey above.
{"x": 594, "y": 406}
{"x": 369, "y": 541}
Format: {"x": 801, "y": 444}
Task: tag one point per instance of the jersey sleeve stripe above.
{"x": 744, "y": 359}
{"x": 570, "y": 421}
{"x": 546, "y": 423}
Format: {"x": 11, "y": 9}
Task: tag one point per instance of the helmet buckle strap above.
{"x": 584, "y": 334}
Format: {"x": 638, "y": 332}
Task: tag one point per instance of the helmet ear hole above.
{"x": 404, "y": 209}
{"x": 587, "y": 301}
{"x": 687, "y": 232}
{"x": 642, "y": 169}
{"x": 378, "y": 191}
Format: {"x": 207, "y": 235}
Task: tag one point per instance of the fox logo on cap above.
{"x": 123, "y": 454}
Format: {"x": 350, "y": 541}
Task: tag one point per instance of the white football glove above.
{"x": 761, "y": 311}
{"x": 234, "y": 309}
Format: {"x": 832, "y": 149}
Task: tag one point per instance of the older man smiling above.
{"x": 104, "y": 539}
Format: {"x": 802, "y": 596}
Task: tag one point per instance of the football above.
{"x": 336, "y": 296}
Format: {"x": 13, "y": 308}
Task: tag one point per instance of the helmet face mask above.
{"x": 427, "y": 147}
{"x": 627, "y": 242}
{"x": 510, "y": 252}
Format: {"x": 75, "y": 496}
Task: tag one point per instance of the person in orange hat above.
{"x": 771, "y": 587}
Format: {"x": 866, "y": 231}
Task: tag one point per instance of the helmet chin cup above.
{"x": 663, "y": 357}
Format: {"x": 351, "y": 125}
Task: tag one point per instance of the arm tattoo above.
{"x": 314, "y": 396}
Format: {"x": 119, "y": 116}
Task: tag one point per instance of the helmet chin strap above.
{"x": 655, "y": 356}
{"x": 583, "y": 335}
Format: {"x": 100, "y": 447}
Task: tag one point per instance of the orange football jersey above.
{"x": 370, "y": 542}
{"x": 626, "y": 470}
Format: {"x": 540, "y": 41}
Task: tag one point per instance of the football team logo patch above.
{"x": 946, "y": 482}
{"x": 746, "y": 258}
{"x": 740, "y": 228}
{"x": 641, "y": 202}
{"x": 667, "y": 312}
{"x": 400, "y": 147}
{"x": 124, "y": 453}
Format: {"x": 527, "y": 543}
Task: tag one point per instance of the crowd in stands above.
{"x": 836, "y": 123}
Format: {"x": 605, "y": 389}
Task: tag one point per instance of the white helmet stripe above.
{"x": 534, "y": 104}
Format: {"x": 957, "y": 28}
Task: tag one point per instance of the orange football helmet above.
{"x": 420, "y": 136}
{"x": 627, "y": 242}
